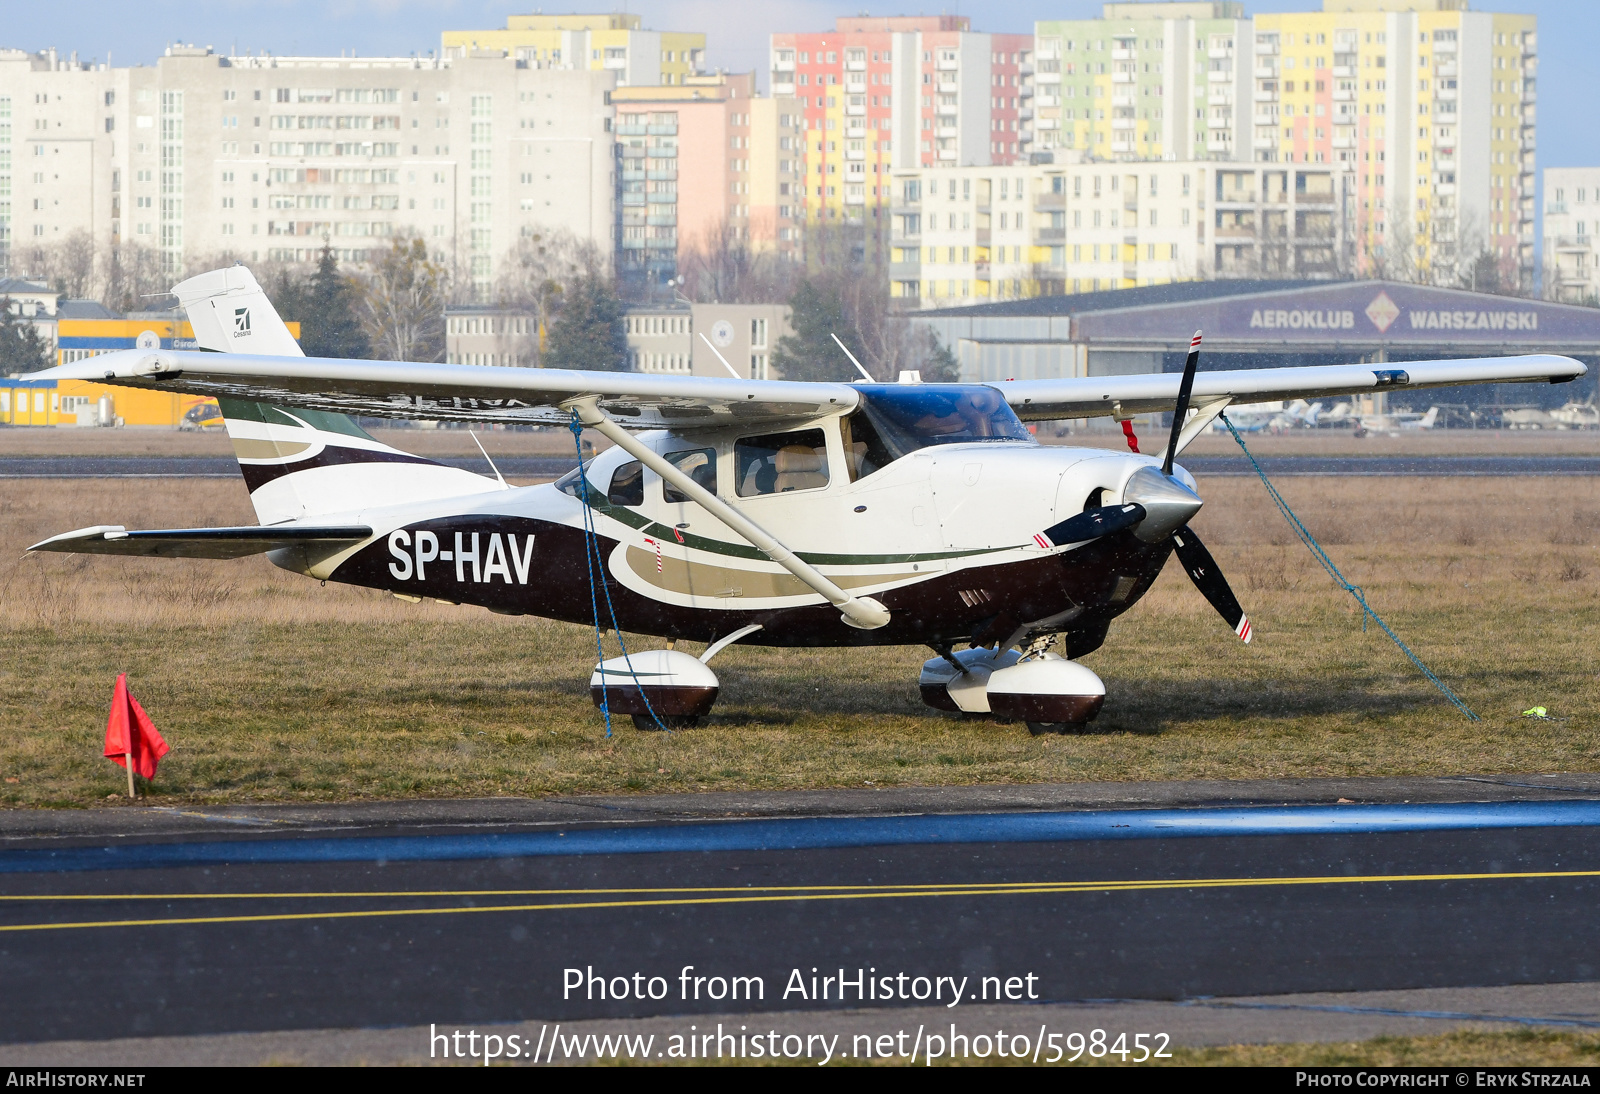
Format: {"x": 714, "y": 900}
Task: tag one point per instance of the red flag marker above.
{"x": 131, "y": 737}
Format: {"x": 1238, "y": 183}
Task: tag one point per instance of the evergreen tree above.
{"x": 941, "y": 367}
{"x": 21, "y": 347}
{"x": 810, "y": 353}
{"x": 329, "y": 325}
{"x": 588, "y": 334}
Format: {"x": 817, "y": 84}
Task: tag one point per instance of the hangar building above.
{"x": 1262, "y": 324}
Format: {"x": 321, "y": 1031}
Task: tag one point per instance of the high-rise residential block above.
{"x": 1432, "y": 105}
{"x": 901, "y": 91}
{"x": 702, "y": 166}
{"x": 264, "y": 158}
{"x": 1571, "y": 226}
{"x": 1146, "y": 81}
{"x": 980, "y": 234}
{"x": 614, "y": 43}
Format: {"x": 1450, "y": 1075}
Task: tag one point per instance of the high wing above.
{"x": 111, "y": 539}
{"x": 474, "y": 393}
{"x": 399, "y": 389}
{"x": 1091, "y": 396}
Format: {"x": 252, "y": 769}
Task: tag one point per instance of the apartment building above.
{"x": 203, "y": 157}
{"x": 1571, "y": 224}
{"x": 903, "y": 91}
{"x": 678, "y": 338}
{"x": 615, "y": 43}
{"x": 1431, "y": 104}
{"x": 701, "y": 165}
{"x": 1146, "y": 81}
{"x": 976, "y": 235}
{"x": 1431, "y": 107}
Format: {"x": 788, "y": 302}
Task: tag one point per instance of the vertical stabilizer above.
{"x": 302, "y": 463}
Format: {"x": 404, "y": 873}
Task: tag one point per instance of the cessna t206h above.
{"x": 765, "y": 512}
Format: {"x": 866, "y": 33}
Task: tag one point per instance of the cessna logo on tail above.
{"x": 241, "y": 322}
{"x": 500, "y": 555}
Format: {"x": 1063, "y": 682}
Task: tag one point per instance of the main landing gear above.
{"x": 1043, "y": 689}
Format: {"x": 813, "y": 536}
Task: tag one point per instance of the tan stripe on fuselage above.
{"x": 697, "y": 579}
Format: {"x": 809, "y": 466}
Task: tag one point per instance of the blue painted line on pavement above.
{"x": 812, "y": 833}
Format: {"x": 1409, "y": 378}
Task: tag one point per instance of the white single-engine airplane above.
{"x": 770, "y": 512}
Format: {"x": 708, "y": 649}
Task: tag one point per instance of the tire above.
{"x": 1040, "y": 729}
{"x": 647, "y": 724}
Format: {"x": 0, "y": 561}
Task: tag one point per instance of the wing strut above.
{"x": 860, "y": 612}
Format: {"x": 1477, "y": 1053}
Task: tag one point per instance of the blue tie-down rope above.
{"x": 1333, "y": 571}
{"x": 591, "y": 554}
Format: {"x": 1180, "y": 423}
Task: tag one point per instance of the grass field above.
{"x": 270, "y": 686}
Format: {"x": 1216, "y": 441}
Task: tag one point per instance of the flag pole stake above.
{"x": 129, "y": 757}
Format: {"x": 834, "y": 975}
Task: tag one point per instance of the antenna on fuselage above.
{"x": 721, "y": 358}
{"x": 864, "y": 373}
{"x": 504, "y": 485}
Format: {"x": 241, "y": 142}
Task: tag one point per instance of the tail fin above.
{"x": 302, "y": 463}
{"x": 1428, "y": 419}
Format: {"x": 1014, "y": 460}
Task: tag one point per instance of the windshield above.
{"x": 913, "y": 416}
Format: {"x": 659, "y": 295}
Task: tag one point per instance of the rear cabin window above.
{"x": 700, "y": 464}
{"x": 777, "y": 463}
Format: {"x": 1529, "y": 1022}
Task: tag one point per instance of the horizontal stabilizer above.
{"x": 107, "y": 539}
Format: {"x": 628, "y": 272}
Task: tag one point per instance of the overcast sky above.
{"x": 1569, "y": 34}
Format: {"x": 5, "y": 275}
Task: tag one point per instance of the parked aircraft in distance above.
{"x": 768, "y": 512}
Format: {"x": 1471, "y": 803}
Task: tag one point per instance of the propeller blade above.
{"x": 1091, "y": 524}
{"x": 1179, "y": 412}
{"x": 1207, "y": 577}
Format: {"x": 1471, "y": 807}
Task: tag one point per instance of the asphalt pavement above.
{"x": 141, "y": 923}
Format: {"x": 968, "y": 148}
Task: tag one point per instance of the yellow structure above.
{"x": 78, "y": 402}
{"x": 618, "y": 42}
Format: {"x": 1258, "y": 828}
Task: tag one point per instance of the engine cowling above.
{"x": 676, "y": 684}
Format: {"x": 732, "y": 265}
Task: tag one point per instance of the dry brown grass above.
{"x": 271, "y": 686}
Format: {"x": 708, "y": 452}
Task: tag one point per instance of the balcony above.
{"x": 855, "y": 111}
{"x": 1266, "y": 72}
{"x": 1266, "y": 49}
{"x": 662, "y": 176}
{"x": 633, "y": 199}
{"x": 855, "y": 66}
{"x": 662, "y": 199}
{"x": 946, "y": 154}
{"x": 1259, "y": 119}
{"x": 1574, "y": 243}
{"x": 1025, "y": 114}
{"x": 1047, "y": 123}
{"x": 1025, "y": 69}
{"x": 1344, "y": 72}
{"x": 854, "y": 154}
{"x": 1122, "y": 55}
{"x": 855, "y": 132}
{"x": 1236, "y": 197}
{"x": 980, "y": 270}
{"x": 1047, "y": 78}
{"x": 947, "y": 64}
{"x": 1445, "y": 93}
{"x": 1216, "y": 77}
{"x": 1267, "y": 96}
{"x": 1124, "y": 123}
{"x": 1127, "y": 100}
{"x": 1123, "y": 146}
{"x": 1123, "y": 77}
{"x": 1341, "y": 95}
{"x": 1445, "y": 69}
{"x": 1045, "y": 236}
{"x": 1444, "y": 47}
{"x": 855, "y": 88}
{"x": 1264, "y": 144}
{"x": 854, "y": 199}
{"x": 948, "y": 131}
{"x": 662, "y": 220}
{"x": 1219, "y": 142}
{"x": 980, "y": 236}
{"x": 1049, "y": 200}
{"x": 1026, "y": 91}
{"x": 905, "y": 271}
{"x": 781, "y": 88}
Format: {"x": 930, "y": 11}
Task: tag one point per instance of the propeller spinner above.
{"x": 1157, "y": 506}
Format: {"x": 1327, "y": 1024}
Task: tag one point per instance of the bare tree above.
{"x": 535, "y": 276}
{"x": 403, "y": 299}
{"x": 720, "y": 266}
{"x": 133, "y": 279}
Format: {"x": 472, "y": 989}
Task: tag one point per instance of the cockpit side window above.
{"x": 777, "y": 463}
{"x": 864, "y": 450}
